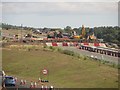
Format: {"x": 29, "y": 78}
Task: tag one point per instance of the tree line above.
{"x": 8, "y": 26}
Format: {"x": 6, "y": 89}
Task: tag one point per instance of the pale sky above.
{"x": 60, "y": 14}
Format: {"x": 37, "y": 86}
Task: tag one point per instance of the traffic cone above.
{"x": 51, "y": 87}
{"x": 35, "y": 85}
{"x": 46, "y": 88}
{"x": 39, "y": 80}
{"x": 15, "y": 79}
{"x": 42, "y": 87}
{"x": 24, "y": 82}
{"x": 31, "y": 84}
{"x": 21, "y": 82}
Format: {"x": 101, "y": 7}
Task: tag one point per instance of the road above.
{"x": 97, "y": 55}
{"x": 26, "y": 85}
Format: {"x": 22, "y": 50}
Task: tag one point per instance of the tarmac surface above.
{"x": 109, "y": 58}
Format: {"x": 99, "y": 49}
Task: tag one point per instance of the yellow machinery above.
{"x": 82, "y": 34}
{"x": 92, "y": 36}
{"x": 76, "y": 37}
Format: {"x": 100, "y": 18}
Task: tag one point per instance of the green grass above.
{"x": 64, "y": 70}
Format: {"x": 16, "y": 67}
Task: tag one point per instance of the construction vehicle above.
{"x": 82, "y": 36}
{"x": 73, "y": 35}
{"x": 54, "y": 34}
{"x": 91, "y": 35}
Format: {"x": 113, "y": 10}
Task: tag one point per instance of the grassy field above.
{"x": 64, "y": 70}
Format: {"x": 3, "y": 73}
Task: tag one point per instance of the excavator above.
{"x": 73, "y": 34}
{"x": 83, "y": 34}
{"x": 91, "y": 35}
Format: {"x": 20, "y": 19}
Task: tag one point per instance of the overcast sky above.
{"x": 60, "y": 14}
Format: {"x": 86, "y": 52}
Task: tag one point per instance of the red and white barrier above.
{"x": 85, "y": 43}
{"x": 96, "y": 44}
{"x": 62, "y": 44}
{"x": 54, "y": 44}
{"x": 102, "y": 45}
{"x": 49, "y": 44}
{"x": 59, "y": 44}
{"x": 91, "y": 44}
{"x": 75, "y": 44}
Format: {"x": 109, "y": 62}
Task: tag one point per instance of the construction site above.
{"x": 80, "y": 46}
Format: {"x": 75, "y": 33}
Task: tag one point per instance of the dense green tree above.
{"x": 67, "y": 29}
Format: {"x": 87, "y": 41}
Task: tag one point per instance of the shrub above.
{"x": 85, "y": 58}
{"x": 52, "y": 48}
{"x": 103, "y": 62}
{"x": 79, "y": 56}
{"x": 118, "y": 66}
{"x": 107, "y": 62}
{"x": 68, "y": 52}
{"x": 59, "y": 49}
{"x": 113, "y": 65}
{"x": 44, "y": 46}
